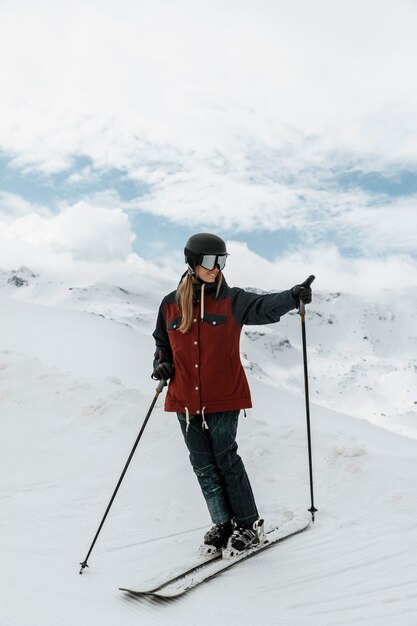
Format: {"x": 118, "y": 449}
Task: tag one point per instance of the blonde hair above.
{"x": 185, "y": 299}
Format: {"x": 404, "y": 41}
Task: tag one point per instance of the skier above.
{"x": 197, "y": 338}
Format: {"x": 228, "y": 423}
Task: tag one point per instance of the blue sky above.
{"x": 156, "y": 123}
{"x": 150, "y": 230}
{"x": 55, "y": 190}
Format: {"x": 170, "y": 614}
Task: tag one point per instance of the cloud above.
{"x": 205, "y": 79}
{"x": 363, "y": 275}
{"x": 384, "y": 227}
{"x": 356, "y": 219}
{"x": 219, "y": 200}
{"x": 82, "y": 231}
{"x": 234, "y": 115}
{"x": 13, "y": 205}
{"x": 87, "y": 244}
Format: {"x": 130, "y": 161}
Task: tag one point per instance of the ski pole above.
{"x": 159, "y": 388}
{"x": 302, "y": 312}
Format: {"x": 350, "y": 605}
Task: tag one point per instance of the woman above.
{"x": 197, "y": 347}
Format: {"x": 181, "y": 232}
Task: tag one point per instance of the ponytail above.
{"x": 184, "y": 298}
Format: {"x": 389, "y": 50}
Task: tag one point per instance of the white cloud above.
{"x": 382, "y": 228}
{"x": 40, "y": 244}
{"x": 358, "y": 220}
{"x": 82, "y": 231}
{"x": 333, "y": 272}
{"x": 235, "y": 114}
{"x": 220, "y": 201}
{"x": 12, "y": 205}
{"x": 107, "y": 79}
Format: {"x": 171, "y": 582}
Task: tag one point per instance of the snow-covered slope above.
{"x": 74, "y": 389}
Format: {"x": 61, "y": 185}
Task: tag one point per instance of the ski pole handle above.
{"x": 309, "y": 280}
{"x": 161, "y": 385}
{"x": 306, "y": 283}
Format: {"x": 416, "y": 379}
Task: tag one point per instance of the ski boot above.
{"x": 216, "y": 538}
{"x": 244, "y": 538}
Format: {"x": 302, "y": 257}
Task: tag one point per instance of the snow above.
{"x": 74, "y": 390}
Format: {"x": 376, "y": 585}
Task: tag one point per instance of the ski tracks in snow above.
{"x": 359, "y": 564}
{"x": 65, "y": 447}
{"x": 341, "y": 584}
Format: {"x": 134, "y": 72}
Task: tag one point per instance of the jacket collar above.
{"x": 209, "y": 288}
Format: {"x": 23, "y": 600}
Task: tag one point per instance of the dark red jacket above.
{"x": 208, "y": 372}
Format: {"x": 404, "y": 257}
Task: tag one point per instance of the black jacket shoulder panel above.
{"x": 169, "y": 298}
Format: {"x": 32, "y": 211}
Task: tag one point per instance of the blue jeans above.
{"x": 218, "y": 467}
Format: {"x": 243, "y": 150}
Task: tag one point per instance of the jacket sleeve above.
{"x": 163, "y": 351}
{"x": 252, "y": 308}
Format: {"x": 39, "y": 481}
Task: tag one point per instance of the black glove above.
{"x": 302, "y": 292}
{"x": 163, "y": 371}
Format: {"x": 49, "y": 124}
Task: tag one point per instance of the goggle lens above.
{"x": 210, "y": 261}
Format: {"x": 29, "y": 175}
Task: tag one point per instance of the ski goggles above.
{"x": 210, "y": 261}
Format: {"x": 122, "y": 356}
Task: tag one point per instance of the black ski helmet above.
{"x": 203, "y": 243}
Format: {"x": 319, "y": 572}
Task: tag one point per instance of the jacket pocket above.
{"x": 174, "y": 324}
{"x": 214, "y": 320}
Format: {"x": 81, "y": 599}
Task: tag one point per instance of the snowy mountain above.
{"x": 74, "y": 389}
{"x": 362, "y": 353}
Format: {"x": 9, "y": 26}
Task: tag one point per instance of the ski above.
{"x": 159, "y": 585}
{"x": 203, "y": 572}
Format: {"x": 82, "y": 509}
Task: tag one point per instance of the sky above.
{"x": 286, "y": 128}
